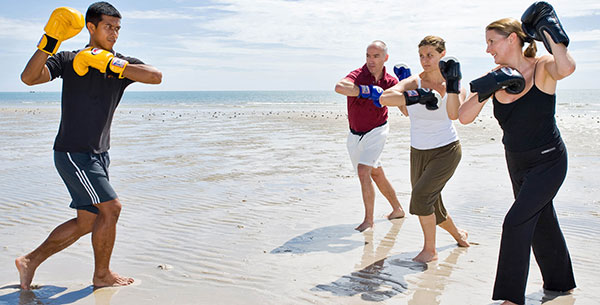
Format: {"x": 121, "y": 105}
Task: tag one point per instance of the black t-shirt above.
{"x": 88, "y": 104}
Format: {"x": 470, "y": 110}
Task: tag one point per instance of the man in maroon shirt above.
{"x": 369, "y": 128}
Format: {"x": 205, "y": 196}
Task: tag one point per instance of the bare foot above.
{"x": 462, "y": 241}
{"x": 111, "y": 280}
{"x": 26, "y": 272}
{"x": 426, "y": 256}
{"x": 363, "y": 226}
{"x": 396, "y": 214}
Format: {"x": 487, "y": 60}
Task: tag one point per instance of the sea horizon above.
{"x": 568, "y": 96}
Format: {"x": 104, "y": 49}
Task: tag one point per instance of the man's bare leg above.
{"x": 459, "y": 235}
{"x": 103, "y": 240}
{"x": 368, "y": 194}
{"x": 386, "y": 188}
{"x": 60, "y": 238}
{"x": 429, "y": 253}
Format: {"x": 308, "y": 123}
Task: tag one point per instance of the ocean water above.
{"x": 584, "y": 100}
{"x": 188, "y": 98}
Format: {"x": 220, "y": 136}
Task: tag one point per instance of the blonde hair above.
{"x": 437, "y": 42}
{"x": 506, "y": 26}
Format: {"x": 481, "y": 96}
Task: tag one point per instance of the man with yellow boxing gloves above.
{"x": 94, "y": 80}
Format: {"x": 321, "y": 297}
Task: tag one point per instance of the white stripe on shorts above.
{"x": 85, "y": 182}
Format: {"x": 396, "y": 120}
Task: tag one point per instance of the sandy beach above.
{"x": 256, "y": 204}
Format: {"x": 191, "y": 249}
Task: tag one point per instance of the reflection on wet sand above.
{"x": 550, "y": 297}
{"x": 103, "y": 296}
{"x": 370, "y": 254}
{"x": 433, "y": 282}
{"x": 382, "y": 279}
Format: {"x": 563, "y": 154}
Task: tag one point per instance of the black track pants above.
{"x": 531, "y": 222}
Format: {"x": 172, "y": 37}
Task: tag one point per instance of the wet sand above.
{"x": 257, "y": 205}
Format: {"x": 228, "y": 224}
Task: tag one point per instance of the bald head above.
{"x": 376, "y": 57}
{"x": 379, "y": 45}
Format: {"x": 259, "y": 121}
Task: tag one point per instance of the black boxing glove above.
{"x": 540, "y": 17}
{"x": 450, "y": 68}
{"x": 424, "y": 96}
{"x": 504, "y": 78}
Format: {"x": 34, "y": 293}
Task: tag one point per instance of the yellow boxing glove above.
{"x": 64, "y": 23}
{"x": 99, "y": 59}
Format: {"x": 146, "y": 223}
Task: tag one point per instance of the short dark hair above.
{"x": 435, "y": 41}
{"x": 96, "y": 10}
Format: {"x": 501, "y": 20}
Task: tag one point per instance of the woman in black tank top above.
{"x": 528, "y": 122}
{"x": 536, "y": 159}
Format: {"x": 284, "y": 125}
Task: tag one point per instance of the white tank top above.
{"x": 430, "y": 129}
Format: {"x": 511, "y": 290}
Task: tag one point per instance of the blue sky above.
{"x": 290, "y": 45}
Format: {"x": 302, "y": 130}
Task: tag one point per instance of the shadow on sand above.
{"x": 47, "y": 294}
{"x": 331, "y": 239}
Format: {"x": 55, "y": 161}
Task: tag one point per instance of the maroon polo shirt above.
{"x": 362, "y": 114}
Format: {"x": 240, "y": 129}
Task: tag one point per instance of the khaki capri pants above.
{"x": 429, "y": 171}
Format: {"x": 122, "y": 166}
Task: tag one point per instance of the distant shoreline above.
{"x": 278, "y": 90}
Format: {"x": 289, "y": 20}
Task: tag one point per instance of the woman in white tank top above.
{"x": 435, "y": 149}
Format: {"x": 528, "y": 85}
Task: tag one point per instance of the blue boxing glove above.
{"x": 402, "y": 71}
{"x": 540, "y": 17}
{"x": 371, "y": 92}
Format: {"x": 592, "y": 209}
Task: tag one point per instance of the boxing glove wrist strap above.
{"x": 48, "y": 45}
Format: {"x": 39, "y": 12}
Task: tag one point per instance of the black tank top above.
{"x": 529, "y": 121}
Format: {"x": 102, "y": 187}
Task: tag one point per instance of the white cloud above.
{"x": 264, "y": 39}
{"x": 334, "y": 27}
{"x": 592, "y": 35}
{"x": 13, "y": 29}
{"x": 339, "y": 27}
{"x": 156, "y": 15}
{"x": 579, "y": 8}
{"x": 17, "y": 32}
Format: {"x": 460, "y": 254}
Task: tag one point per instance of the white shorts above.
{"x": 367, "y": 149}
